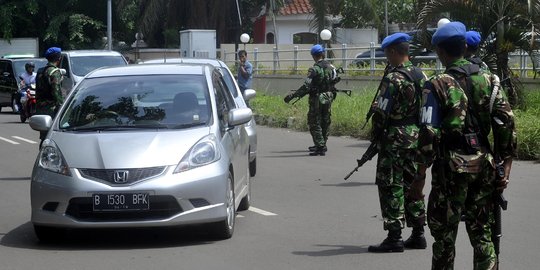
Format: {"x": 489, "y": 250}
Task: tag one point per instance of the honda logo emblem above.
{"x": 121, "y": 177}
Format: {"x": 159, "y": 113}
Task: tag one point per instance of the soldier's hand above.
{"x": 288, "y": 98}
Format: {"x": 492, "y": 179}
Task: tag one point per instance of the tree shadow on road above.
{"x": 14, "y": 178}
{"x": 288, "y": 153}
{"x": 335, "y": 251}
{"x": 108, "y": 239}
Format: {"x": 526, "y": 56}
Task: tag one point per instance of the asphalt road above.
{"x": 304, "y": 216}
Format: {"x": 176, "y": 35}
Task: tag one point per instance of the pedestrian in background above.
{"x": 245, "y": 71}
{"x": 463, "y": 175}
{"x": 395, "y": 131}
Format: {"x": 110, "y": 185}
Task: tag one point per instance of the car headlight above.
{"x": 51, "y": 159}
{"x": 204, "y": 152}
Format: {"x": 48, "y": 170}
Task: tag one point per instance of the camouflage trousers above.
{"x": 395, "y": 172}
{"x": 453, "y": 195}
{"x": 319, "y": 120}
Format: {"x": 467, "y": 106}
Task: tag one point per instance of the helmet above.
{"x": 53, "y": 53}
{"x": 317, "y": 49}
{"x": 29, "y": 65}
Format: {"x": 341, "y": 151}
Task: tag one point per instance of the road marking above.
{"x": 23, "y": 139}
{"x": 8, "y": 140}
{"x": 260, "y": 211}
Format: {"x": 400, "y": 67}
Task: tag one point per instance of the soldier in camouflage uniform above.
{"x": 48, "y": 86}
{"x": 473, "y": 39}
{"x": 318, "y": 86}
{"x": 463, "y": 179}
{"x": 395, "y": 130}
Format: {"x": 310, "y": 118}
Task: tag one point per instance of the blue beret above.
{"x": 394, "y": 39}
{"x": 473, "y": 38}
{"x": 52, "y": 50}
{"x": 317, "y": 49}
{"x": 449, "y": 31}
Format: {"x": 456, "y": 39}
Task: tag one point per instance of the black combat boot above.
{"x": 319, "y": 151}
{"x": 313, "y": 148}
{"x": 392, "y": 243}
{"x": 417, "y": 239}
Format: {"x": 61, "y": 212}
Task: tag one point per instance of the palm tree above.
{"x": 153, "y": 17}
{"x": 503, "y": 23}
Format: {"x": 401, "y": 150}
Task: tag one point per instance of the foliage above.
{"x": 366, "y": 13}
{"x": 348, "y": 116}
{"x": 504, "y": 24}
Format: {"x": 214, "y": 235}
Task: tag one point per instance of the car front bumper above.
{"x": 190, "y": 197}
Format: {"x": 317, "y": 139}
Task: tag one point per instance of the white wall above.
{"x": 288, "y": 26}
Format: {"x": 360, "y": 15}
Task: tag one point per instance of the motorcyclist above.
{"x": 27, "y": 79}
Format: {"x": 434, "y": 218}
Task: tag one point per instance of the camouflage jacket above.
{"x": 443, "y": 113}
{"x": 318, "y": 79}
{"x": 396, "y": 110}
{"x": 49, "y": 98}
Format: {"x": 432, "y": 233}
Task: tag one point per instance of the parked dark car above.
{"x": 10, "y": 69}
{"x": 364, "y": 59}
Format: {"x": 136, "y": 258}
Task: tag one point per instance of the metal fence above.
{"x": 297, "y": 60}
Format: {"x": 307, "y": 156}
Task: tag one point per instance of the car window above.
{"x": 65, "y": 65}
{"x": 82, "y": 65}
{"x": 229, "y": 81}
{"x": 224, "y": 100}
{"x": 157, "y": 101}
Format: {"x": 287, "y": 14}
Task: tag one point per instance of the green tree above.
{"x": 157, "y": 18}
{"x": 68, "y": 24}
{"x": 506, "y": 25}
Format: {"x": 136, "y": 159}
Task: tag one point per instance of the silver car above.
{"x": 235, "y": 91}
{"x": 141, "y": 146}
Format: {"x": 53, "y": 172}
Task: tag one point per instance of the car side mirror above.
{"x": 249, "y": 94}
{"x": 239, "y": 116}
{"x": 40, "y": 122}
{"x": 63, "y": 71}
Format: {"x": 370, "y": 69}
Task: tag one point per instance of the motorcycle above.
{"x": 28, "y": 102}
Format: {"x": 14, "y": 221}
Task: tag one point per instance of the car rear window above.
{"x": 82, "y": 65}
{"x": 156, "y": 101}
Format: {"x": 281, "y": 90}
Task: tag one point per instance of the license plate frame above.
{"x": 121, "y": 201}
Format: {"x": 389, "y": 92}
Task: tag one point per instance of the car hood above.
{"x": 107, "y": 150}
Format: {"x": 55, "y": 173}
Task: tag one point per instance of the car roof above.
{"x": 149, "y": 69}
{"x": 214, "y": 62}
{"x": 92, "y": 53}
{"x": 26, "y": 59}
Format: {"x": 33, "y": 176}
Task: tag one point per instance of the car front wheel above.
{"x": 224, "y": 229}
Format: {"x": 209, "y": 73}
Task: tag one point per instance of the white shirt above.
{"x": 28, "y": 78}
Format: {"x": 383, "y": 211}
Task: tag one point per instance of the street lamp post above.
{"x": 244, "y": 38}
{"x": 326, "y": 35}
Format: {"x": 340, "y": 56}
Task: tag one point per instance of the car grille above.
{"x": 122, "y": 176}
{"x": 161, "y": 206}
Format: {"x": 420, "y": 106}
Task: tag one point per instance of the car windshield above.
{"x": 19, "y": 65}
{"x": 82, "y": 65}
{"x": 142, "y": 101}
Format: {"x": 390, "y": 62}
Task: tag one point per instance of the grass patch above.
{"x": 348, "y": 116}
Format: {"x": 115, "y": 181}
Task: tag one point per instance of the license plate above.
{"x": 120, "y": 201}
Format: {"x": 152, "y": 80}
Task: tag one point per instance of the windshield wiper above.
{"x": 180, "y": 126}
{"x": 115, "y": 127}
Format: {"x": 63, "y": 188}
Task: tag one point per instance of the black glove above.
{"x": 288, "y": 98}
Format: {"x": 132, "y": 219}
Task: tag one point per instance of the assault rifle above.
{"x": 500, "y": 203}
{"x": 368, "y": 155}
{"x": 292, "y": 95}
